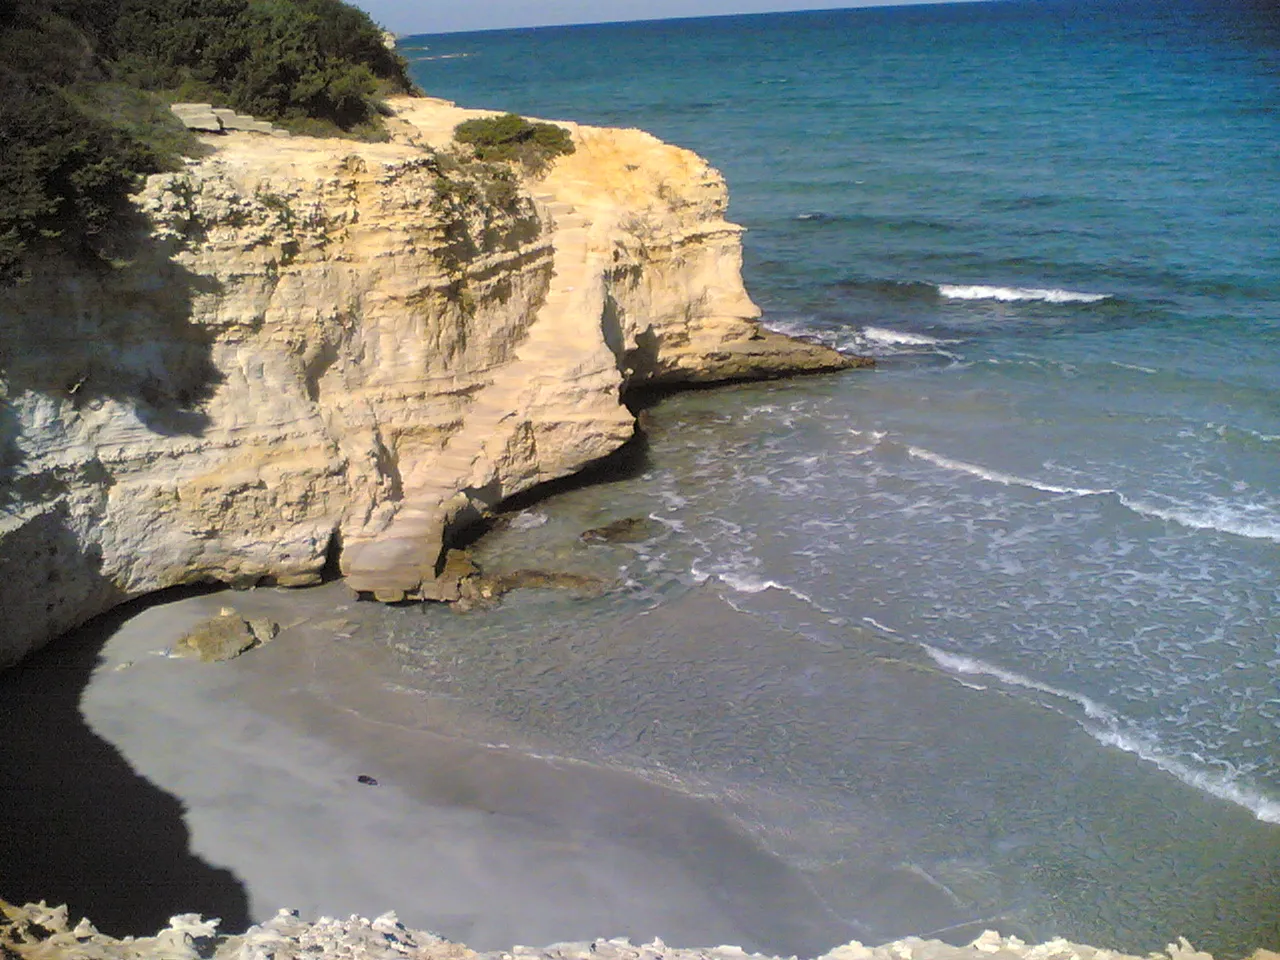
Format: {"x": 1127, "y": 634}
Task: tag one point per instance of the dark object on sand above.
{"x": 367, "y": 780}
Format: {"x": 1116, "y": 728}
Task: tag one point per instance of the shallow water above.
{"x": 917, "y": 796}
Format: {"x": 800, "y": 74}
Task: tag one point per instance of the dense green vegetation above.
{"x": 511, "y": 137}
{"x": 84, "y": 86}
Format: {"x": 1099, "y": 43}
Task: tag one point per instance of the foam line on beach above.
{"x": 1111, "y": 733}
{"x": 1221, "y": 519}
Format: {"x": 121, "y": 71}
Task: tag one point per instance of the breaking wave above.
{"x": 746, "y": 583}
{"x": 898, "y": 338}
{"x": 1110, "y": 732}
{"x": 1014, "y": 294}
{"x": 1242, "y": 520}
{"x": 996, "y": 476}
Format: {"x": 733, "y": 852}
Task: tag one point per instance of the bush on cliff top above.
{"x": 513, "y": 138}
{"x": 65, "y": 176}
{"x": 84, "y": 86}
{"x": 282, "y": 60}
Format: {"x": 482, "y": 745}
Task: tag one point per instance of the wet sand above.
{"x": 482, "y": 843}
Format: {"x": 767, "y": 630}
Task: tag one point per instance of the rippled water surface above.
{"x": 993, "y": 628}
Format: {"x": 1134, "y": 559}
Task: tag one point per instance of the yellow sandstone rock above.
{"x": 320, "y": 347}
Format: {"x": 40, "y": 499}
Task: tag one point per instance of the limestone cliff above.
{"x": 322, "y": 348}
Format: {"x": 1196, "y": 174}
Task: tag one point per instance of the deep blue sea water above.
{"x": 1057, "y": 225}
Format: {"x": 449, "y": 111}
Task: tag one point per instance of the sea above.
{"x": 988, "y": 635}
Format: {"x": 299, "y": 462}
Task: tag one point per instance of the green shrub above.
{"x": 277, "y": 59}
{"x": 513, "y": 138}
{"x": 85, "y": 87}
{"x": 65, "y": 176}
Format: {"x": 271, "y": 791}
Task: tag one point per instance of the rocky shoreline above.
{"x": 38, "y": 932}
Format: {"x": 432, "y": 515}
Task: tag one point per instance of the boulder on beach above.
{"x": 224, "y": 637}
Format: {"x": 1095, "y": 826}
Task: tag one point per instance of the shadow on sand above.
{"x": 78, "y": 826}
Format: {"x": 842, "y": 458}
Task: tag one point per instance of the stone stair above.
{"x": 559, "y": 351}
{"x": 206, "y": 118}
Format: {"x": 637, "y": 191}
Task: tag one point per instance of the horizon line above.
{"x": 706, "y": 16}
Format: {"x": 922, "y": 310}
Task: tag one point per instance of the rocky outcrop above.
{"x": 320, "y": 350}
{"x": 36, "y": 932}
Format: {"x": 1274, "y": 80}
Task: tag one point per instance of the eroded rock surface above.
{"x": 319, "y": 349}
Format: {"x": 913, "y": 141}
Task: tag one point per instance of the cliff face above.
{"x": 319, "y": 349}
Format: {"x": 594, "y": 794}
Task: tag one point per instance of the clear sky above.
{"x": 446, "y": 16}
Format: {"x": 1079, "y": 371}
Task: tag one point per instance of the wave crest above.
{"x": 1111, "y": 733}
{"x": 898, "y": 338}
{"x": 1239, "y": 519}
{"x": 996, "y": 476}
{"x": 1014, "y": 294}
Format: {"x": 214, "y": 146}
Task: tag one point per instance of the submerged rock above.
{"x": 225, "y": 637}
{"x": 458, "y": 567}
{"x": 627, "y": 530}
{"x": 486, "y": 589}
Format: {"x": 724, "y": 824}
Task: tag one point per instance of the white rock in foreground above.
{"x": 36, "y": 932}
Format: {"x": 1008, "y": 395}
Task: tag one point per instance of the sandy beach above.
{"x": 138, "y": 785}
{"x": 252, "y": 766}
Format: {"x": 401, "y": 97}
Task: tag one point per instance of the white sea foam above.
{"x": 675, "y": 525}
{"x": 1221, "y": 785}
{"x": 794, "y": 327}
{"x": 898, "y": 338}
{"x": 1014, "y": 294}
{"x": 875, "y": 436}
{"x": 996, "y": 476}
{"x": 1133, "y": 366}
{"x": 672, "y": 500}
{"x": 746, "y": 583}
{"x": 971, "y": 666}
{"x": 1112, "y": 733}
{"x": 879, "y": 626}
{"x": 1225, "y": 430}
{"x": 1241, "y": 520}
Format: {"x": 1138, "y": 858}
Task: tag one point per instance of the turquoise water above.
{"x": 1055, "y": 224}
